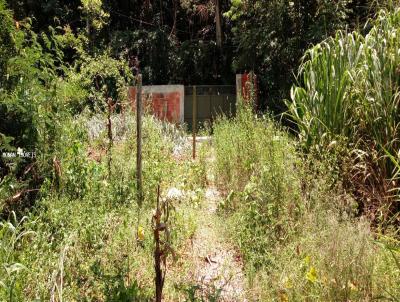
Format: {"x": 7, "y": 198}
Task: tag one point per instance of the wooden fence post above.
{"x": 194, "y": 120}
{"x": 159, "y": 279}
{"x": 139, "y": 140}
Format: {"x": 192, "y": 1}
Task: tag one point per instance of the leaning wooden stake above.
{"x": 194, "y": 120}
{"x": 162, "y": 242}
{"x": 159, "y": 279}
{"x": 139, "y": 140}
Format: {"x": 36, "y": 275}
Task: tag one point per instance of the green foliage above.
{"x": 93, "y": 10}
{"x": 235, "y": 11}
{"x": 31, "y": 110}
{"x": 279, "y": 33}
{"x": 79, "y": 175}
{"x": 39, "y": 94}
{"x": 256, "y": 161}
{"x": 350, "y": 89}
{"x": 85, "y": 230}
{"x": 193, "y": 57}
{"x": 12, "y": 236}
{"x": 194, "y": 293}
{"x": 7, "y": 45}
{"x": 174, "y": 41}
{"x": 330, "y": 261}
{"x": 104, "y": 78}
{"x": 236, "y": 162}
{"x": 155, "y": 50}
{"x": 163, "y": 60}
{"x": 327, "y": 76}
{"x": 293, "y": 222}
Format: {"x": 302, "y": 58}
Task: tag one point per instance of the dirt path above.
{"x": 218, "y": 266}
{"x": 210, "y": 267}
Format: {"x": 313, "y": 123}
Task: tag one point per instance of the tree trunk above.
{"x": 218, "y": 24}
{"x": 173, "y": 30}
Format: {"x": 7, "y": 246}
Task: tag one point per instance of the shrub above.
{"x": 31, "y": 113}
{"x": 104, "y": 78}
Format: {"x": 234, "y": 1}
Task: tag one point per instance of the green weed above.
{"x": 292, "y": 220}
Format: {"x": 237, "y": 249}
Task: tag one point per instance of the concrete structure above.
{"x": 166, "y": 102}
{"x": 174, "y": 103}
{"x": 247, "y": 87}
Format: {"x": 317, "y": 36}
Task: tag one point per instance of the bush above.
{"x": 31, "y": 114}
{"x": 105, "y": 79}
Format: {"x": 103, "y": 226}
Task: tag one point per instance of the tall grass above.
{"x": 293, "y": 222}
{"x": 319, "y": 107}
{"x": 255, "y": 167}
{"x": 349, "y": 91}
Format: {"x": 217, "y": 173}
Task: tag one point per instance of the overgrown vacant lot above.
{"x": 299, "y": 206}
{"x": 80, "y": 243}
{"x": 281, "y": 228}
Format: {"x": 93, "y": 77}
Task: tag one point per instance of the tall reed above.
{"x": 349, "y": 90}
